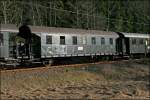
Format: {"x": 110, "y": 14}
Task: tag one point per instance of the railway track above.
{"x": 46, "y": 67}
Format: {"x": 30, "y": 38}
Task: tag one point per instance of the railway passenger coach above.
{"x": 59, "y": 42}
{"x": 51, "y": 42}
{"x": 133, "y": 43}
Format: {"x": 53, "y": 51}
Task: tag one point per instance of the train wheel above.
{"x": 50, "y": 62}
{"x": 47, "y": 63}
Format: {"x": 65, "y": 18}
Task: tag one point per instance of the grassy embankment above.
{"x": 122, "y": 79}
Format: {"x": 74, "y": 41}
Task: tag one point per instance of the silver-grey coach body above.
{"x": 6, "y": 30}
{"x": 88, "y": 42}
{"x": 63, "y": 42}
{"x": 139, "y": 43}
{"x": 84, "y": 45}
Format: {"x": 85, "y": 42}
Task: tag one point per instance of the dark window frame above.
{"x": 111, "y": 42}
{"x": 74, "y": 40}
{"x": 102, "y": 41}
{"x": 62, "y": 40}
{"x": 1, "y": 39}
{"x": 141, "y": 41}
{"x": 134, "y": 41}
{"x": 93, "y": 40}
{"x": 49, "y": 39}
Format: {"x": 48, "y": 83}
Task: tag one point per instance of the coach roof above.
{"x": 135, "y": 35}
{"x": 42, "y": 29}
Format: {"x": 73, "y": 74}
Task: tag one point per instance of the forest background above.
{"x": 110, "y": 15}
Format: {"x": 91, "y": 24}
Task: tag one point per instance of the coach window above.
{"x": 62, "y": 40}
{"x": 111, "y": 41}
{"x": 1, "y": 39}
{"x": 141, "y": 41}
{"x": 133, "y": 41}
{"x": 93, "y": 40}
{"x": 102, "y": 41}
{"x": 74, "y": 40}
{"x": 48, "y": 39}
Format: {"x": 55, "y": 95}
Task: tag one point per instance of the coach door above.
{"x": 125, "y": 50}
{"x": 127, "y": 45}
{"x": 119, "y": 47}
{"x": 122, "y": 46}
{"x": 36, "y": 46}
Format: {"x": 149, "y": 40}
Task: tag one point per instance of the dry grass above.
{"x": 118, "y": 80}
